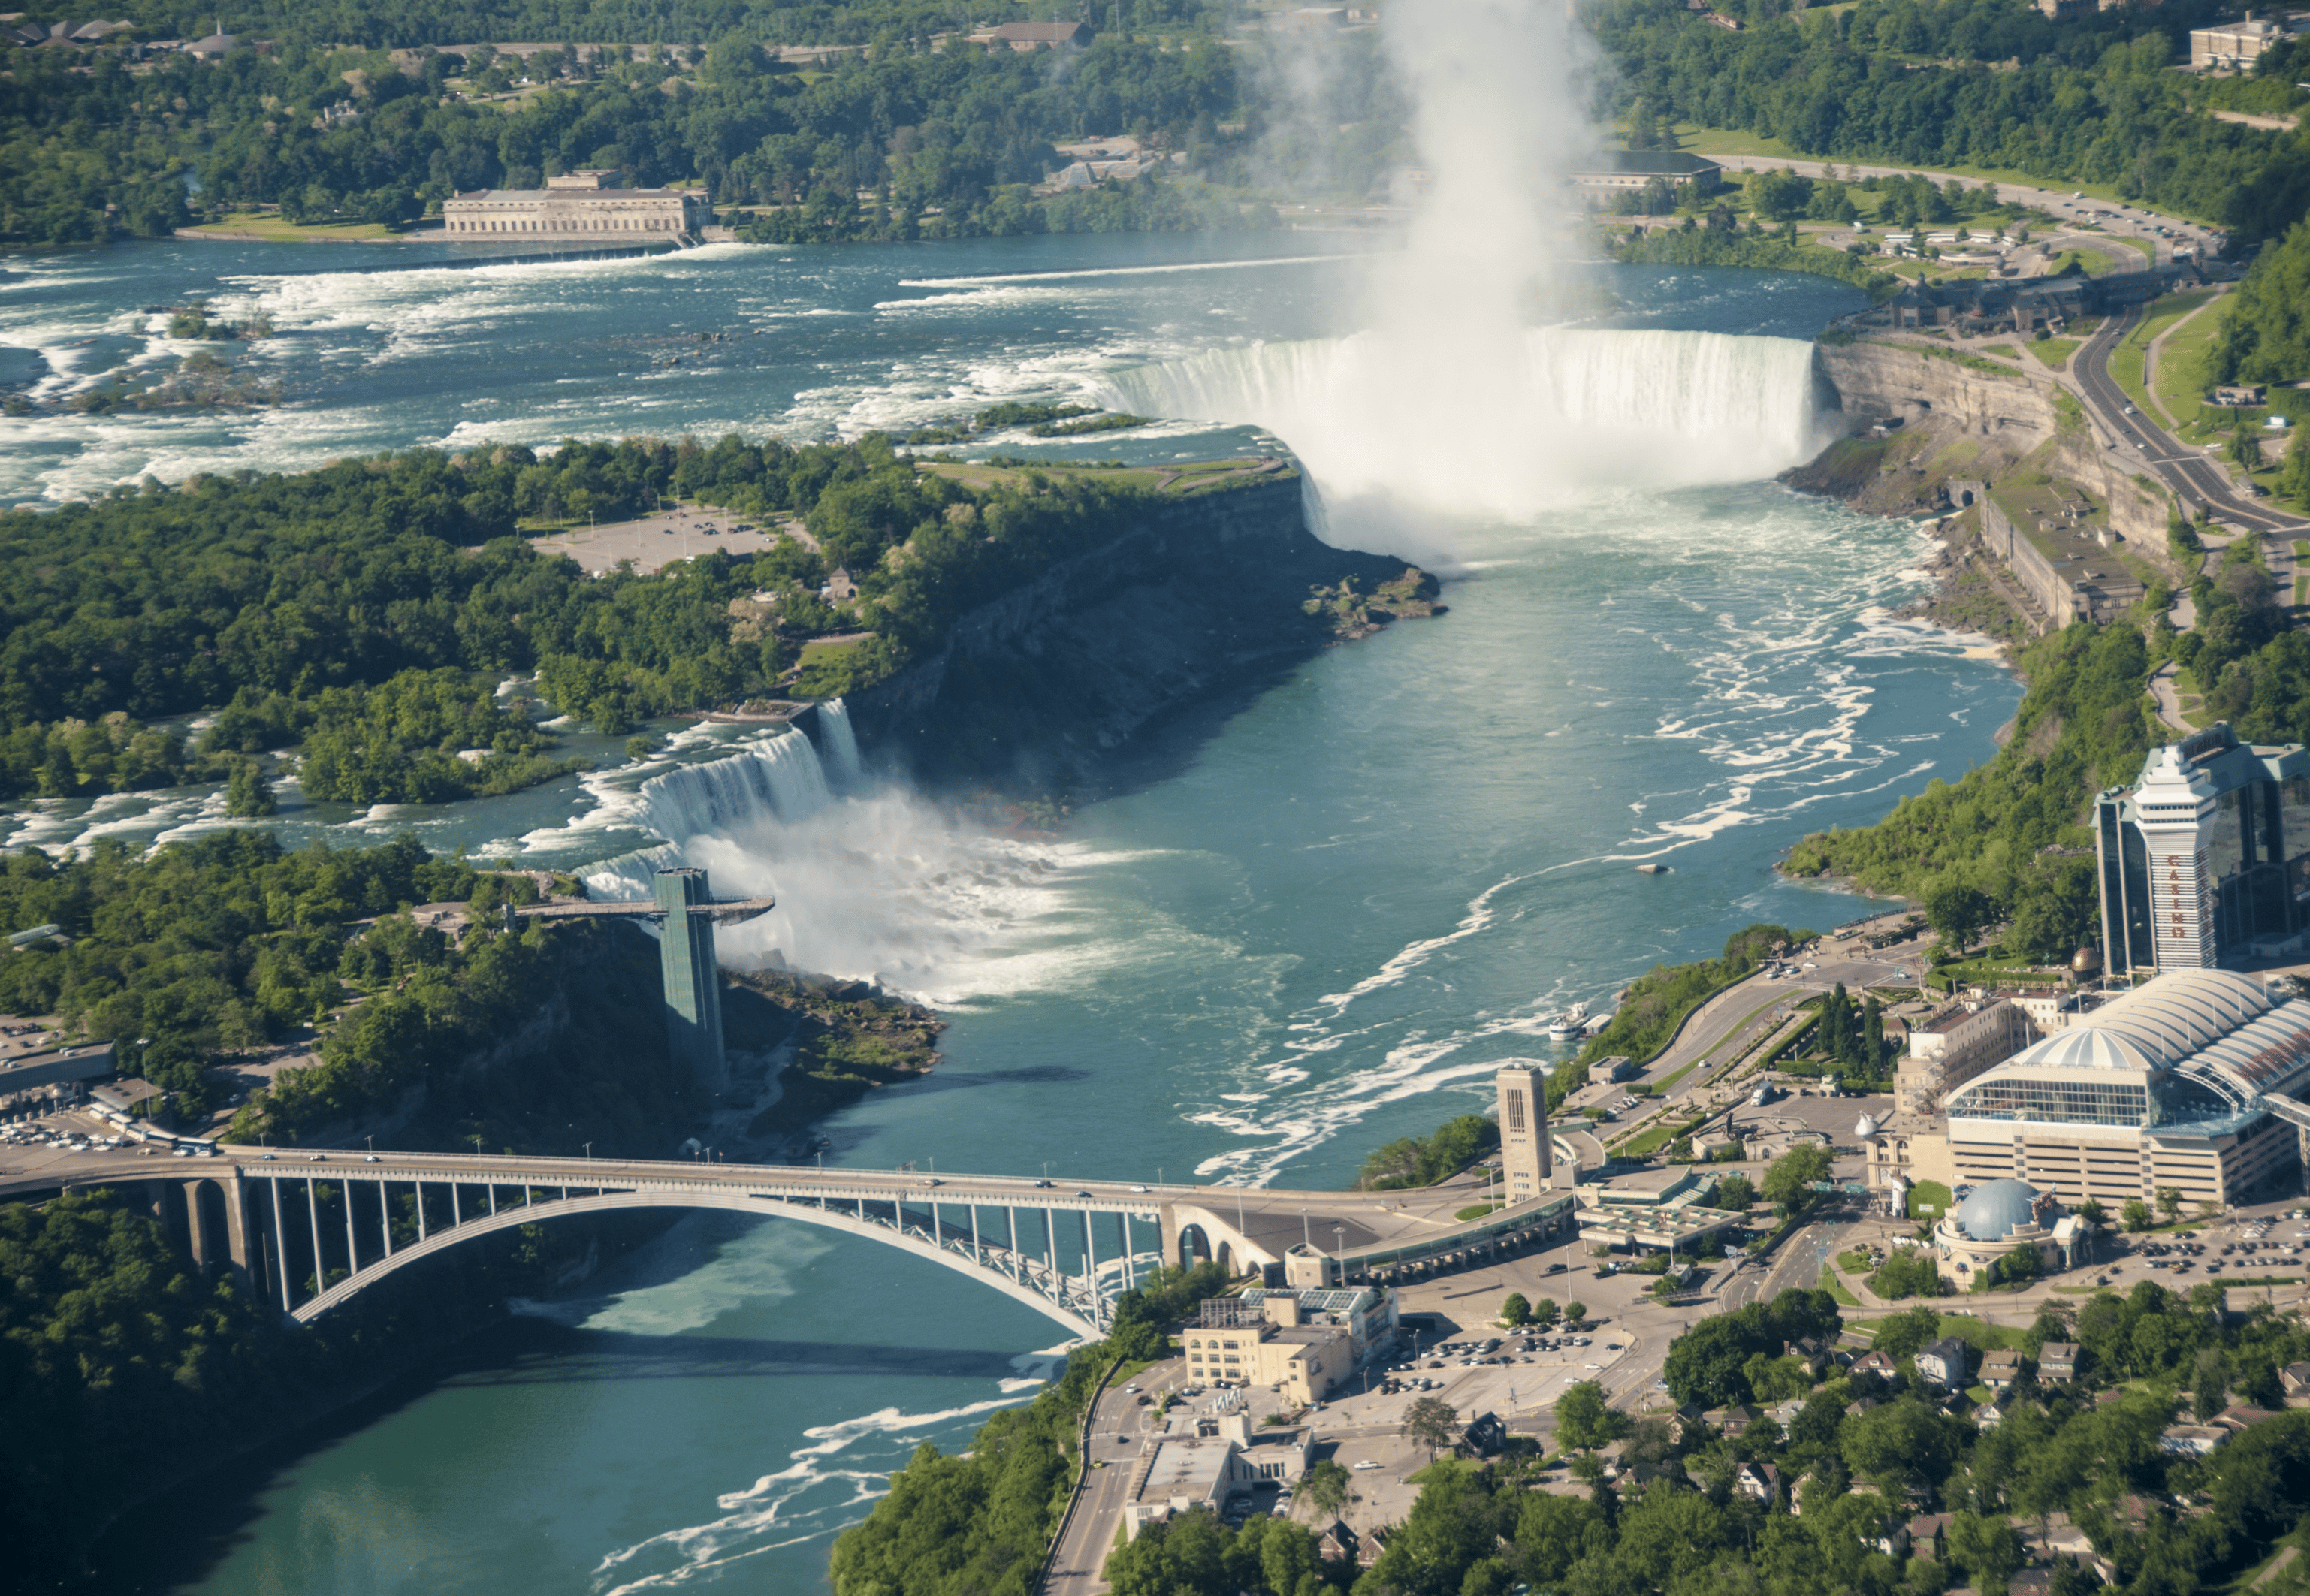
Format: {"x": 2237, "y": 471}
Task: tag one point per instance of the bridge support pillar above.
{"x": 238, "y": 1238}
{"x": 693, "y": 983}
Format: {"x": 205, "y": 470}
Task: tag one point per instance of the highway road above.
{"x": 1119, "y": 1428}
{"x": 2197, "y": 479}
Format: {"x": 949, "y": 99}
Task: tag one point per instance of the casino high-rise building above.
{"x": 2207, "y": 859}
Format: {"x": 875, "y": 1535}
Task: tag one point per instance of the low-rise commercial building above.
{"x": 2234, "y": 47}
{"x": 1956, "y": 1045}
{"x": 1623, "y": 170}
{"x": 1275, "y": 1338}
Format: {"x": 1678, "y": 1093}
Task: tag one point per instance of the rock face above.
{"x": 1195, "y": 601}
{"x": 2012, "y": 411}
{"x": 1966, "y": 423}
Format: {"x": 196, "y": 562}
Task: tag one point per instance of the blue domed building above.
{"x": 2001, "y": 1217}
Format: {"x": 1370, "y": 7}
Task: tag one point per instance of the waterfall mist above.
{"x": 872, "y": 883}
{"x": 1462, "y": 391}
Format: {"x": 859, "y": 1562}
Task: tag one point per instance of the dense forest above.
{"x": 323, "y": 608}
{"x": 1978, "y": 83}
{"x": 947, "y": 141}
{"x": 412, "y": 23}
{"x": 2266, "y": 336}
{"x": 220, "y": 945}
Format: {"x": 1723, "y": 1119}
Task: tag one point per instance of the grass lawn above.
{"x": 1648, "y": 1144}
{"x": 1710, "y": 141}
{"x": 2093, "y": 263}
{"x": 1832, "y": 1283}
{"x": 2178, "y": 373}
{"x": 2125, "y": 361}
{"x": 1928, "y": 1200}
{"x": 2055, "y": 352}
{"x": 1977, "y": 1333}
{"x": 1731, "y": 141}
{"x": 1478, "y": 1212}
{"x": 267, "y": 224}
{"x": 2007, "y": 350}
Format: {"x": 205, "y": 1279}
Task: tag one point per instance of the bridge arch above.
{"x": 730, "y": 1200}
{"x": 1195, "y": 1246}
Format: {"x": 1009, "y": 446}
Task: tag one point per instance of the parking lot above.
{"x": 653, "y": 540}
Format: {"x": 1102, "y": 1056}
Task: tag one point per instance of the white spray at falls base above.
{"x": 871, "y": 883}
{"x": 1548, "y": 414}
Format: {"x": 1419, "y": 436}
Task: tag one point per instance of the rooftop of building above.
{"x": 1650, "y": 1183}
{"x": 570, "y": 194}
{"x": 1660, "y": 163}
{"x": 1994, "y": 1211}
{"x": 2211, "y": 1027}
{"x": 1185, "y": 1465}
{"x": 1317, "y": 1301}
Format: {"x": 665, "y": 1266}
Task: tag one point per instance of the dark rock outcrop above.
{"x": 1197, "y": 604}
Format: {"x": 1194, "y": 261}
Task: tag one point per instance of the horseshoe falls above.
{"x": 1478, "y": 427}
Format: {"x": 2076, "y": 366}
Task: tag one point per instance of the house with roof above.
{"x": 1929, "y": 1535}
{"x": 1732, "y": 1420}
{"x": 1873, "y": 1362}
{"x": 2294, "y": 1381}
{"x": 2058, "y": 1360}
{"x": 2191, "y": 1440}
{"x": 2002, "y": 1370}
{"x": 1942, "y": 1362}
{"x": 1759, "y": 1482}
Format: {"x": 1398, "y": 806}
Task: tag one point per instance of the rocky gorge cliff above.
{"x": 1931, "y": 428}
{"x": 1196, "y": 602}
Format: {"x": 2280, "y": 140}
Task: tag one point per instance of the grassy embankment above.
{"x": 2129, "y": 361}
{"x": 269, "y": 225}
{"x": 1697, "y": 140}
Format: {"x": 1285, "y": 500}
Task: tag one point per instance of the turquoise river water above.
{"x": 1315, "y": 929}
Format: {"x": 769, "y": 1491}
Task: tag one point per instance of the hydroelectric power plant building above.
{"x": 578, "y": 206}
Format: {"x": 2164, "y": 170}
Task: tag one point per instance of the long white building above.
{"x": 578, "y": 205}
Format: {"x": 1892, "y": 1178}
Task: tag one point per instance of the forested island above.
{"x": 365, "y": 612}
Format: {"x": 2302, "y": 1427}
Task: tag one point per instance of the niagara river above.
{"x": 1300, "y": 929}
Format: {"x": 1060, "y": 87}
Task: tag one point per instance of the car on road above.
{"x": 1367, "y": 1463}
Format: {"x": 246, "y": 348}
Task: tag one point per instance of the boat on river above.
{"x": 1569, "y": 1024}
